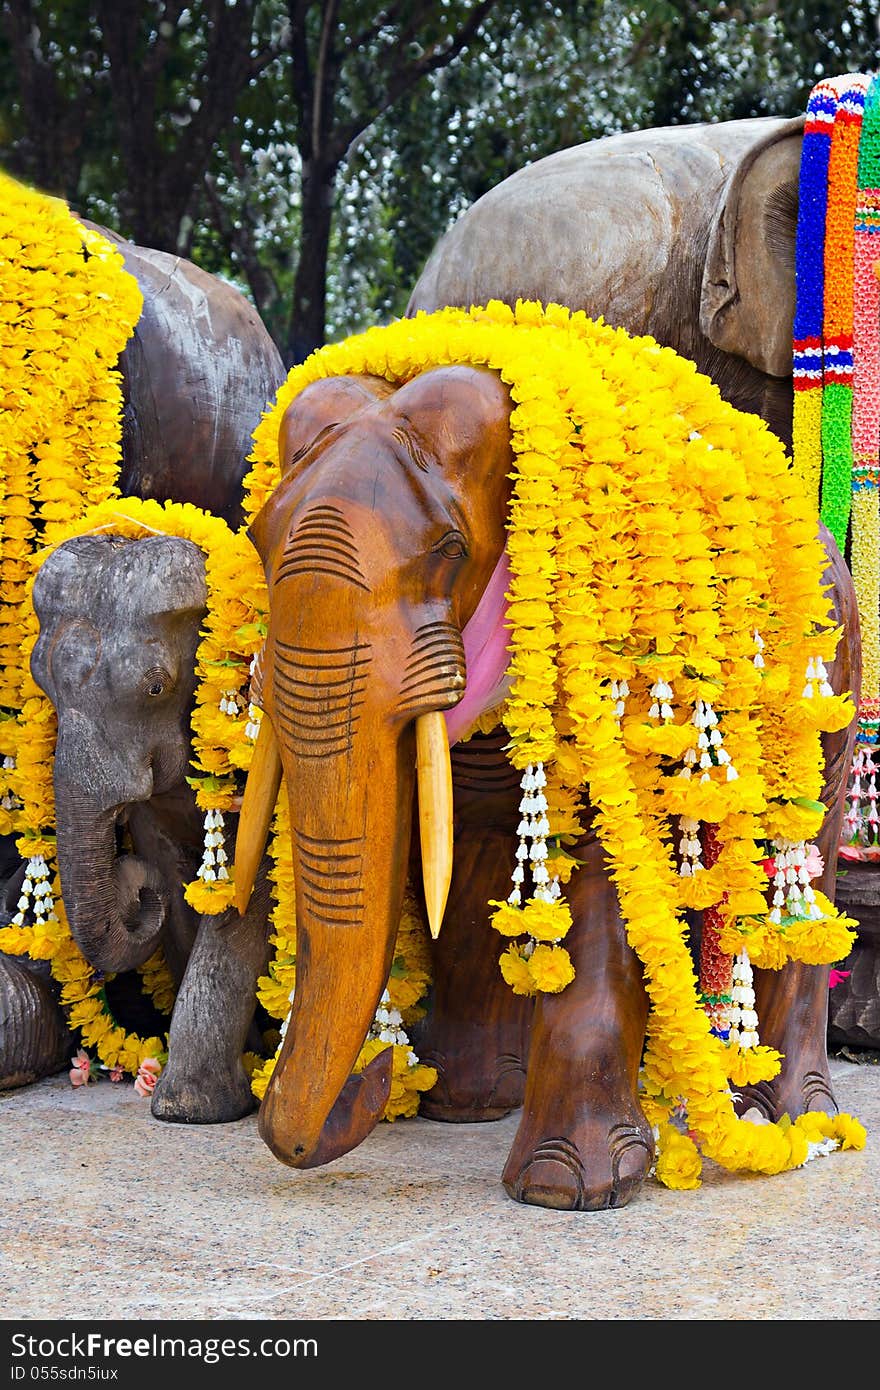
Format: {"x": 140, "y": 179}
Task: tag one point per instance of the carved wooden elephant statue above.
{"x": 380, "y": 544}
{"x": 119, "y": 626}
{"x": 197, "y": 374}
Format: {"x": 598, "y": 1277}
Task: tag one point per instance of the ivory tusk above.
{"x": 257, "y": 806}
{"x": 434, "y": 777}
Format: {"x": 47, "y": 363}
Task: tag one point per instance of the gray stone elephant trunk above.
{"x": 116, "y": 904}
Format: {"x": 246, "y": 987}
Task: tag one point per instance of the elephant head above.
{"x": 685, "y": 233}
{"x": 119, "y": 622}
{"x": 377, "y": 547}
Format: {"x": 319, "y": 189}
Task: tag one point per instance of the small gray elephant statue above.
{"x": 119, "y": 626}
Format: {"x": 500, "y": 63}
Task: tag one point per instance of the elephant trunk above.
{"x": 115, "y": 906}
{"x": 350, "y": 843}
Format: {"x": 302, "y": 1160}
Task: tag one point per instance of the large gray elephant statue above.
{"x": 119, "y": 626}
{"x": 686, "y": 234}
{"x": 197, "y": 374}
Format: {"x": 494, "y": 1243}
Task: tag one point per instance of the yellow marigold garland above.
{"x": 666, "y": 580}
{"x": 67, "y": 308}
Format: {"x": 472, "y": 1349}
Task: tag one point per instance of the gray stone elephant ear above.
{"x": 749, "y": 276}
{"x": 198, "y": 372}
{"x": 685, "y": 233}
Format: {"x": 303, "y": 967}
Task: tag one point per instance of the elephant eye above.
{"x": 157, "y": 683}
{"x": 453, "y": 545}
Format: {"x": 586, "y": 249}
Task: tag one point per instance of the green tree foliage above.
{"x": 314, "y": 150}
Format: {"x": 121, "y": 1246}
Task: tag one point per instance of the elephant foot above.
{"x": 791, "y": 1093}
{"x": 34, "y": 1040}
{"x": 205, "y": 1098}
{"x": 470, "y": 1093}
{"x": 792, "y": 1006}
{"x": 599, "y": 1166}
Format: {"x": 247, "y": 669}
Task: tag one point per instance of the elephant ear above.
{"x": 320, "y": 407}
{"x": 747, "y": 299}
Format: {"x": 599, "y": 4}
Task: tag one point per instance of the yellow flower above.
{"x": 850, "y": 1131}
{"x": 678, "y": 1160}
{"x": 546, "y": 921}
{"x": 550, "y": 969}
{"x": 515, "y": 970}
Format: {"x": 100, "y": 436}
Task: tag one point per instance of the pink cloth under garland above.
{"x": 485, "y": 648}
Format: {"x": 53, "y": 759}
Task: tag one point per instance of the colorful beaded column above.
{"x": 810, "y": 287}
{"x": 861, "y": 821}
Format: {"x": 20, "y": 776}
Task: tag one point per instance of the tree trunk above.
{"x": 308, "y": 318}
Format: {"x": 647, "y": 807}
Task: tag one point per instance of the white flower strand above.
{"x": 252, "y": 728}
{"x": 533, "y": 827}
{"x": 708, "y": 750}
{"x": 619, "y": 692}
{"x": 387, "y": 1026}
{"x": 213, "y": 866}
{"x": 230, "y": 703}
{"x": 791, "y": 883}
{"x": 36, "y": 894}
{"x": 661, "y": 694}
{"x": 742, "y": 1015}
{"x": 254, "y": 714}
{"x": 9, "y": 802}
{"x": 758, "y": 659}
{"x": 689, "y": 847}
{"x": 816, "y": 676}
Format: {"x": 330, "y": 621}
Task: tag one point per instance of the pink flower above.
{"x": 814, "y": 863}
{"x": 148, "y": 1074}
{"x": 81, "y": 1070}
{"x": 116, "y": 1073}
{"x": 835, "y": 977}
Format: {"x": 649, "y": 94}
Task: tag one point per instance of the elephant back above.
{"x": 198, "y": 372}
{"x": 683, "y": 233}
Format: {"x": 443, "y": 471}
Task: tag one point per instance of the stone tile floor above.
{"x": 107, "y": 1209}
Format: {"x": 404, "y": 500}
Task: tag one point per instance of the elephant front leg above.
{"x": 583, "y": 1143}
{"x": 204, "y": 1080}
{"x": 792, "y": 1003}
{"x": 476, "y": 1031}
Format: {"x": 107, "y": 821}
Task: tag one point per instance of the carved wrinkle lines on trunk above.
{"x": 331, "y": 874}
{"x": 323, "y": 543}
{"x": 434, "y": 673}
{"x": 319, "y": 695}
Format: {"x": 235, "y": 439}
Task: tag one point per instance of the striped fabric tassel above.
{"x": 810, "y": 287}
